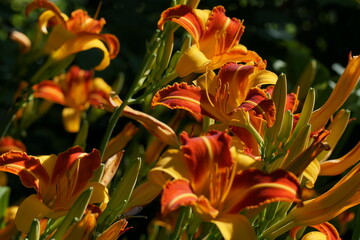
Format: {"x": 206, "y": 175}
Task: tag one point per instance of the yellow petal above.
{"x": 314, "y": 236}
{"x": 169, "y": 166}
{"x": 143, "y": 194}
{"x": 71, "y": 119}
{"x": 100, "y": 84}
{"x": 29, "y": 209}
{"x": 82, "y": 43}
{"x": 235, "y": 227}
{"x": 100, "y": 193}
{"x": 193, "y": 60}
{"x": 311, "y": 173}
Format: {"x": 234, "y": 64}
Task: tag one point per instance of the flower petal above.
{"x": 338, "y": 166}
{"x": 29, "y": 209}
{"x": 28, "y": 168}
{"x": 341, "y": 92}
{"x": 50, "y": 91}
{"x": 179, "y": 96}
{"x": 114, "y": 231}
{"x": 47, "y": 5}
{"x": 82, "y": 43}
{"x": 185, "y": 17}
{"x": 193, "y": 60}
{"x": 71, "y": 119}
{"x": 170, "y": 165}
{"x": 222, "y": 33}
{"x": 235, "y": 226}
{"x": 203, "y": 153}
{"x": 177, "y": 193}
{"x": 252, "y": 188}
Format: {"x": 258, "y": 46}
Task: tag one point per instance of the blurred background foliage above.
{"x": 289, "y": 34}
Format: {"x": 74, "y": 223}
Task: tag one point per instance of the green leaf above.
{"x": 4, "y": 203}
{"x": 120, "y": 197}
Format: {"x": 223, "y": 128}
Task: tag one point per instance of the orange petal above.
{"x": 203, "y": 153}
{"x": 47, "y": 5}
{"x": 185, "y": 17}
{"x": 179, "y": 96}
{"x": 114, "y": 231}
{"x": 50, "y": 91}
{"x": 177, "y": 193}
{"x": 28, "y": 168}
{"x": 252, "y": 188}
{"x": 8, "y": 143}
{"x": 338, "y": 166}
{"x": 89, "y": 162}
{"x": 222, "y": 33}
{"x": 341, "y": 92}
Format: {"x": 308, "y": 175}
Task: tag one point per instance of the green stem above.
{"x": 356, "y": 233}
{"x": 255, "y": 134}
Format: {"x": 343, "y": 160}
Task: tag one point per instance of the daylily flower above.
{"x": 216, "y": 181}
{"x": 58, "y": 180}
{"x": 216, "y": 39}
{"x": 73, "y": 34}
{"x": 76, "y": 90}
{"x": 341, "y": 92}
{"x": 342, "y": 196}
{"x": 227, "y": 97}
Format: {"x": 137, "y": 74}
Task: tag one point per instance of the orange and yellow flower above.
{"x": 217, "y": 182}
{"x": 216, "y": 39}
{"x": 232, "y": 97}
{"x": 74, "y": 34}
{"x": 58, "y": 180}
{"x": 76, "y": 90}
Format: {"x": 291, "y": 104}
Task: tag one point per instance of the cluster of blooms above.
{"x": 239, "y": 172}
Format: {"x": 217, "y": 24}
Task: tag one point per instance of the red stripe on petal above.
{"x": 252, "y": 188}
{"x": 179, "y": 96}
{"x": 185, "y": 17}
{"x": 222, "y": 33}
{"x": 28, "y": 168}
{"x": 203, "y": 154}
{"x": 88, "y": 164}
{"x": 177, "y": 193}
{"x": 50, "y": 91}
